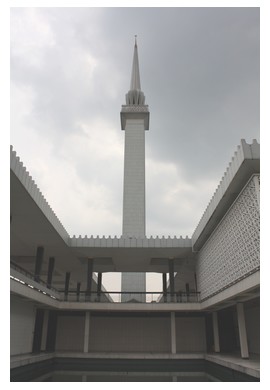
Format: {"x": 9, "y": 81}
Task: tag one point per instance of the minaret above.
{"x": 134, "y": 120}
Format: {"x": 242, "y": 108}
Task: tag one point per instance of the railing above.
{"x": 39, "y": 284}
{"x": 156, "y": 297}
{"x": 130, "y": 297}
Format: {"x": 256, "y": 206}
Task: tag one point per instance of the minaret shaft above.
{"x": 134, "y": 179}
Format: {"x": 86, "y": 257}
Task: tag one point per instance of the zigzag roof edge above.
{"x": 128, "y": 242}
{"x": 31, "y": 187}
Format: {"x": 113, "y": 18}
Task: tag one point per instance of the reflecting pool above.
{"x": 72, "y": 376}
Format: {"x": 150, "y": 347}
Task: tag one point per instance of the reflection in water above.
{"x": 98, "y": 376}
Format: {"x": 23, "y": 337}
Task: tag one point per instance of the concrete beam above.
{"x": 130, "y": 307}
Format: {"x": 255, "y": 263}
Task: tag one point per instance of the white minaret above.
{"x": 134, "y": 120}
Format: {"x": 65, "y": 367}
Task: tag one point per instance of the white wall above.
{"x": 70, "y": 333}
{"x": 190, "y": 334}
{"x": 233, "y": 249}
{"x": 22, "y": 322}
{"x": 136, "y": 333}
{"x": 129, "y": 334}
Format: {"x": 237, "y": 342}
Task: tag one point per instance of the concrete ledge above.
{"x": 130, "y": 307}
{"x": 246, "y": 366}
{"x": 32, "y": 294}
{"x": 129, "y": 355}
{"x": 227, "y": 295}
{"x": 248, "y": 283}
{"x": 250, "y": 367}
{"x": 23, "y": 360}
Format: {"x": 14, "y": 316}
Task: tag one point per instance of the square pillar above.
{"x": 78, "y": 291}
{"x": 171, "y": 274}
{"x": 216, "y": 331}
{"x": 51, "y": 332}
{"x": 242, "y": 330}
{"x": 187, "y": 291}
{"x": 89, "y": 278}
{"x": 195, "y": 281}
{"x": 38, "y": 263}
{"x": 86, "y": 332}
{"x": 44, "y": 330}
{"x": 67, "y": 285}
{"x": 50, "y": 271}
{"x": 173, "y": 333}
{"x": 99, "y": 285}
{"x": 164, "y": 284}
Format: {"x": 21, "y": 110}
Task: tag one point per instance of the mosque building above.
{"x": 207, "y": 316}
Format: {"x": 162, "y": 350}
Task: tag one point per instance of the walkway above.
{"x": 249, "y": 366}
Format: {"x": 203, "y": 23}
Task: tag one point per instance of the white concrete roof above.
{"x": 34, "y": 223}
{"x": 245, "y": 163}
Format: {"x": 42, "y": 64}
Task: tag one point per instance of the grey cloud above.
{"x": 199, "y": 72}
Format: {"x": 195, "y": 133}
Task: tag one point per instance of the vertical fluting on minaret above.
{"x": 134, "y": 120}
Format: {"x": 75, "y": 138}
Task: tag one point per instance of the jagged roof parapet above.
{"x": 31, "y": 187}
{"x": 128, "y": 242}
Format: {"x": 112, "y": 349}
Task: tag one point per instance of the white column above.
{"x": 86, "y": 332}
{"x": 44, "y": 330}
{"x": 216, "y": 331}
{"x": 173, "y": 333}
{"x": 242, "y": 330}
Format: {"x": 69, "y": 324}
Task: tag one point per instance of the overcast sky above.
{"x": 70, "y": 71}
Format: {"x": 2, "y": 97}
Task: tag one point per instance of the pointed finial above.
{"x": 135, "y": 96}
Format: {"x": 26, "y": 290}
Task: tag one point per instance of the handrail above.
{"x": 131, "y": 296}
{"x": 157, "y": 297}
{"x": 31, "y": 276}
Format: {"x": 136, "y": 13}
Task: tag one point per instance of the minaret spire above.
{"x": 135, "y": 97}
{"x": 135, "y": 83}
